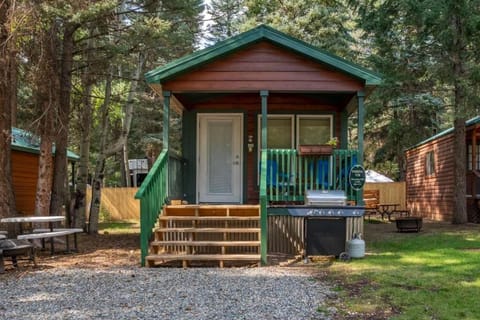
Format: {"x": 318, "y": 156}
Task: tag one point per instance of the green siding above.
{"x": 189, "y": 138}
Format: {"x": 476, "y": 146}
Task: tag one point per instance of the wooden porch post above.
{"x": 474, "y": 148}
{"x": 166, "y": 132}
{"x": 344, "y": 134}
{"x": 263, "y": 200}
{"x": 474, "y": 165}
{"x": 361, "y": 123}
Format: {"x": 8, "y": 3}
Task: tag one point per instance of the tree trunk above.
{"x": 460, "y": 208}
{"x": 80, "y": 205}
{"x": 45, "y": 172}
{"x": 47, "y": 85}
{"x": 80, "y": 215}
{"x": 60, "y": 179}
{"x": 97, "y": 182}
{"x": 459, "y": 76}
{"x": 8, "y": 70}
{"x": 128, "y": 110}
{"x": 125, "y": 172}
{"x": 116, "y": 147}
{"x": 128, "y": 119}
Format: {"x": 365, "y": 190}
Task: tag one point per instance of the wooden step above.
{"x": 208, "y": 243}
{"x": 159, "y": 258}
{"x": 215, "y": 206}
{"x": 209, "y": 230}
{"x": 213, "y": 210}
{"x": 210, "y": 218}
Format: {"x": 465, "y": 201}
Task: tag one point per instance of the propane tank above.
{"x": 356, "y": 247}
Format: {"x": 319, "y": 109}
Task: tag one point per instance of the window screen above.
{"x": 430, "y": 164}
{"x": 314, "y": 130}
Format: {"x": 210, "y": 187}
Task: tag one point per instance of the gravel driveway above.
{"x": 164, "y": 293}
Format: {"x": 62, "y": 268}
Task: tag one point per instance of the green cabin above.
{"x": 265, "y": 118}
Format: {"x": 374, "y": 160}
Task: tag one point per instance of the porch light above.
{"x": 250, "y": 143}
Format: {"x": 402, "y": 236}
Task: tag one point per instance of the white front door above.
{"x": 219, "y": 174}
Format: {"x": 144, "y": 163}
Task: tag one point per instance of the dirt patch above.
{"x": 94, "y": 251}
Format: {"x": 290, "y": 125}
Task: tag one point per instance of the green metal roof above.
{"x": 468, "y": 123}
{"x": 262, "y": 32}
{"x": 28, "y": 142}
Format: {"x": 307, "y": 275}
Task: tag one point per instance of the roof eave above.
{"x": 70, "y": 155}
{"x": 468, "y": 123}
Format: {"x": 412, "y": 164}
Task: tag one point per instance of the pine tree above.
{"x": 8, "y": 91}
{"x": 224, "y": 19}
{"x": 325, "y": 24}
{"x": 431, "y": 47}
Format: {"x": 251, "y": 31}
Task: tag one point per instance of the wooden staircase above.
{"x": 205, "y": 234}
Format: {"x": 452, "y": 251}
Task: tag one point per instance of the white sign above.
{"x": 138, "y": 164}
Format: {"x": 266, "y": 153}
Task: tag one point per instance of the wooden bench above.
{"x": 47, "y": 233}
{"x": 13, "y": 248}
{"x": 371, "y": 200}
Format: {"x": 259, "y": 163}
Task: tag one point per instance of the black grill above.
{"x": 324, "y": 236}
{"x": 325, "y": 221}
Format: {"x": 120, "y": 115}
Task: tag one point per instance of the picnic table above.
{"x": 42, "y": 234}
{"x": 387, "y": 209}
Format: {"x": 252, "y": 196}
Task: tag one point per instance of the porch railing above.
{"x": 289, "y": 174}
{"x": 152, "y": 195}
{"x": 176, "y": 168}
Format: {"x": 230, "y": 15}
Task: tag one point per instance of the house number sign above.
{"x": 357, "y": 177}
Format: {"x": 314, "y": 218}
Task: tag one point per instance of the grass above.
{"x": 119, "y": 227}
{"x": 429, "y": 275}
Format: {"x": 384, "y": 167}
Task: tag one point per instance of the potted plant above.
{"x": 320, "y": 149}
{"x": 333, "y": 142}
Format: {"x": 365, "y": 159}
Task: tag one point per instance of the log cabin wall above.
{"x": 24, "y": 175}
{"x": 431, "y": 196}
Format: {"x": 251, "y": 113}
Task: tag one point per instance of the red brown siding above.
{"x": 432, "y": 196}
{"x": 277, "y": 104}
{"x": 25, "y": 175}
{"x": 264, "y": 66}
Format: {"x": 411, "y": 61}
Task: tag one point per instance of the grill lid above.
{"x": 325, "y": 197}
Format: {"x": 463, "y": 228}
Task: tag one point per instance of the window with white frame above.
{"x": 430, "y": 164}
{"x": 470, "y": 155}
{"x": 279, "y": 131}
{"x": 314, "y": 129}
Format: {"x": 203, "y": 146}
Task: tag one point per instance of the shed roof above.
{"x": 262, "y": 32}
{"x": 468, "y": 123}
{"x": 374, "y": 176}
{"x": 28, "y": 142}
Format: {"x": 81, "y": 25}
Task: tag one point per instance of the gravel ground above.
{"x": 164, "y": 293}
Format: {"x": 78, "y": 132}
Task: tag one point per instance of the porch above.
{"x": 228, "y": 234}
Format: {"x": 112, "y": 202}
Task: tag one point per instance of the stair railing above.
{"x": 263, "y": 208}
{"x": 152, "y": 194}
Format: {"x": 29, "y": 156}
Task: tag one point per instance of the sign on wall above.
{"x": 357, "y": 177}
